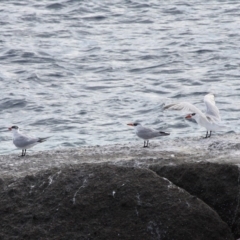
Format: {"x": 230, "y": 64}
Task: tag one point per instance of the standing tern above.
{"x": 23, "y": 141}
{"x": 210, "y": 120}
{"x": 146, "y": 133}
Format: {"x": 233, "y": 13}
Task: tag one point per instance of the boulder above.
{"x": 99, "y": 201}
{"x": 218, "y": 185}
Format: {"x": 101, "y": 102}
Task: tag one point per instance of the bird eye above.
{"x": 193, "y": 114}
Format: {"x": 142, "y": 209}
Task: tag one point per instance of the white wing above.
{"x": 148, "y": 133}
{"x": 23, "y": 141}
{"x": 185, "y": 107}
{"x": 211, "y": 109}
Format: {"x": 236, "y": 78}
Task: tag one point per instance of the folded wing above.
{"x": 24, "y": 141}
{"x": 148, "y": 133}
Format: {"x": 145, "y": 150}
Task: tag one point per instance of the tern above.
{"x": 22, "y": 141}
{"x": 146, "y": 133}
{"x": 209, "y": 120}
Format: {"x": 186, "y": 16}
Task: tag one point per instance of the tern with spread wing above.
{"x": 210, "y": 120}
{"x": 146, "y": 133}
{"x": 24, "y": 142}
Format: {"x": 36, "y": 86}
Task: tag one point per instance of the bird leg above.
{"x": 208, "y": 135}
{"x": 145, "y": 144}
{"x": 23, "y": 152}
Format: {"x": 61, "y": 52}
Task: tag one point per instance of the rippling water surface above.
{"x": 80, "y": 70}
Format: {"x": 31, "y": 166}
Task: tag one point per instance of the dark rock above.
{"x": 218, "y": 185}
{"x": 1, "y": 181}
{"x": 93, "y": 201}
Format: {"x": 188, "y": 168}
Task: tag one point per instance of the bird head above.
{"x": 133, "y": 124}
{"x": 191, "y": 116}
{"x": 13, "y": 128}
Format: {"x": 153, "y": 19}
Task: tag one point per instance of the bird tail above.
{"x": 164, "y": 133}
{"x": 40, "y": 140}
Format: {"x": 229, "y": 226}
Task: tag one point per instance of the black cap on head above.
{"x": 134, "y": 124}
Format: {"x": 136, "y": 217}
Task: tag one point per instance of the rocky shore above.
{"x": 177, "y": 189}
